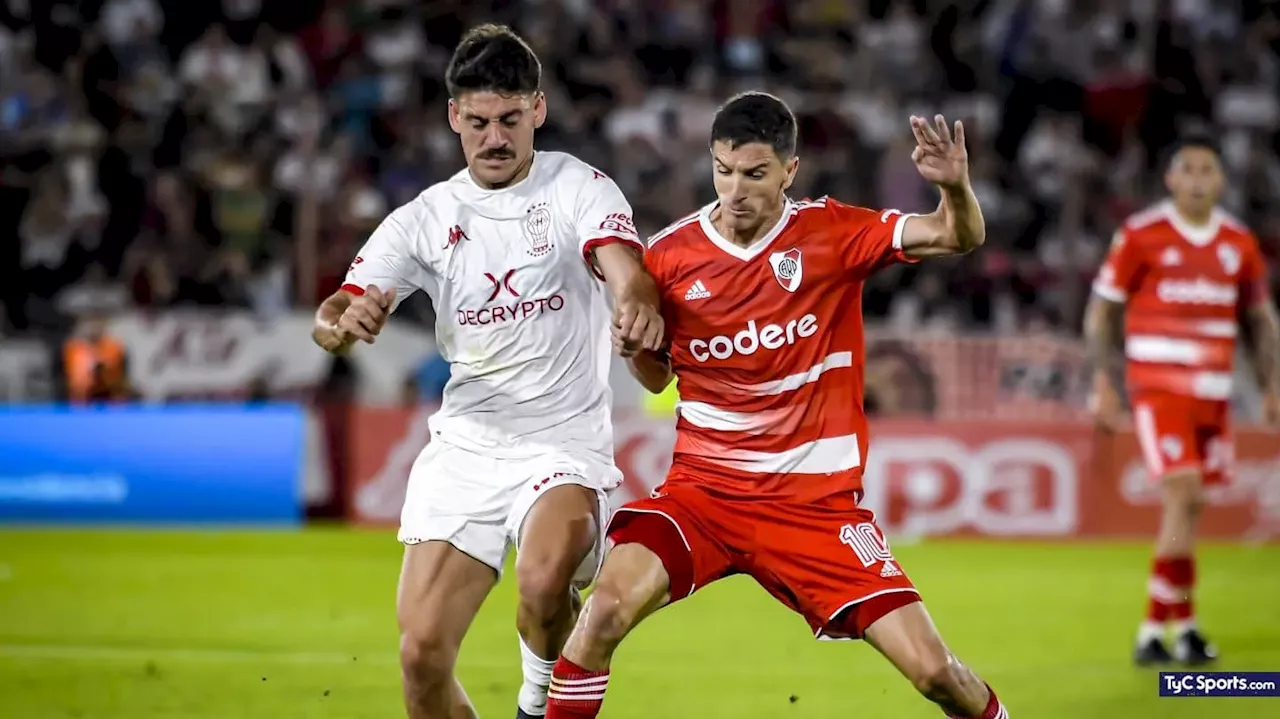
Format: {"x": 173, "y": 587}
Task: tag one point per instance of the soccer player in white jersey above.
{"x": 518, "y": 253}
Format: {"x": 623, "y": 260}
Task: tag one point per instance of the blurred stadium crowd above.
{"x": 237, "y": 152}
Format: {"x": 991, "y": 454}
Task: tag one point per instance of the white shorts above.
{"x": 478, "y": 503}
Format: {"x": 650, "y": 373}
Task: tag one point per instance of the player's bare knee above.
{"x": 610, "y": 613}
{"x": 1184, "y": 492}
{"x": 941, "y": 678}
{"x": 426, "y": 656}
{"x": 544, "y": 588}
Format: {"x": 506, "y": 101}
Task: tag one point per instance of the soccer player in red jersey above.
{"x": 1185, "y": 271}
{"x": 762, "y": 301}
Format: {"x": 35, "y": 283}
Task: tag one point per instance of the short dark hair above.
{"x": 493, "y": 58}
{"x": 1196, "y": 140}
{"x": 756, "y": 117}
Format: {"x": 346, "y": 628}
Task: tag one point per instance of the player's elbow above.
{"x": 963, "y": 237}
{"x": 654, "y": 380}
{"x": 939, "y": 234}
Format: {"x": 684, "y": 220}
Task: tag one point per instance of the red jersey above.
{"x": 767, "y": 346}
{"x": 1184, "y": 287}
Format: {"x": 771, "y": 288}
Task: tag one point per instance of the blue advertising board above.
{"x": 151, "y": 465}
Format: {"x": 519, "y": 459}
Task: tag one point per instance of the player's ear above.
{"x": 539, "y": 110}
{"x": 791, "y": 166}
{"x": 455, "y": 116}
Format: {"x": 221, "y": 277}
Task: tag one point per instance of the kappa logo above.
{"x": 787, "y": 268}
{"x": 456, "y": 235}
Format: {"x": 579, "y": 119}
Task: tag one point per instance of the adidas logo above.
{"x": 889, "y": 570}
{"x": 697, "y": 291}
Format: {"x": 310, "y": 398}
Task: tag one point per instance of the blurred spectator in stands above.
{"x": 126, "y": 21}
{"x": 312, "y": 167}
{"x": 241, "y": 207}
{"x": 95, "y": 363}
{"x": 328, "y": 42}
{"x": 337, "y": 108}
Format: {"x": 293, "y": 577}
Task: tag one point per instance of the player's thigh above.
{"x": 1166, "y": 430}
{"x": 678, "y": 528}
{"x": 440, "y": 591}
{"x": 557, "y": 518}
{"x": 558, "y": 539}
{"x": 633, "y": 583}
{"x": 1215, "y": 443}
{"x": 461, "y": 498}
{"x": 828, "y": 561}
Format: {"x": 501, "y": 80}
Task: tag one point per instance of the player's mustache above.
{"x": 501, "y": 153}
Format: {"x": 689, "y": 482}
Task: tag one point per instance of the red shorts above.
{"x": 825, "y": 560}
{"x": 1183, "y": 433}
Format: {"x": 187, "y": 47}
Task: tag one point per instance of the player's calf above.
{"x": 632, "y": 584}
{"x": 1172, "y": 581}
{"x": 559, "y": 533}
{"x": 908, "y": 638}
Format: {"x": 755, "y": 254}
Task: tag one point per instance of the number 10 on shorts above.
{"x": 871, "y": 547}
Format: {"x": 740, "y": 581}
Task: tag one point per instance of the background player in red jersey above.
{"x": 762, "y": 302}
{"x": 1185, "y": 270}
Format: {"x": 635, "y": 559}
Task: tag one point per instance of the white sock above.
{"x": 537, "y": 677}
{"x": 1182, "y": 626}
{"x": 1149, "y": 630}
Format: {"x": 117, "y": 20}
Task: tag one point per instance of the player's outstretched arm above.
{"x": 1265, "y": 329}
{"x": 1103, "y": 335}
{"x": 637, "y": 321}
{"x": 956, "y": 227}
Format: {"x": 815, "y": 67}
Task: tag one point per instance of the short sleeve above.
{"x": 386, "y": 260}
{"x": 872, "y": 238}
{"x": 603, "y": 216}
{"x": 1121, "y": 271}
{"x": 1255, "y": 280}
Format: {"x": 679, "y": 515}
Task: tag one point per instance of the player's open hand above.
{"x": 637, "y": 325}
{"x": 1271, "y": 409}
{"x": 366, "y": 315}
{"x": 1106, "y": 406}
{"x": 940, "y": 154}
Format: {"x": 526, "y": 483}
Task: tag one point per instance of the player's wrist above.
{"x": 961, "y": 189}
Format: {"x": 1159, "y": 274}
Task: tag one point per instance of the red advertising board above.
{"x": 924, "y": 478}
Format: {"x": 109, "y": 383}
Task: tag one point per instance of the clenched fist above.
{"x": 637, "y": 325}
{"x": 366, "y": 315}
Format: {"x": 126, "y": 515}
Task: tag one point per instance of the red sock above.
{"x": 1181, "y": 574}
{"x": 575, "y": 693}
{"x": 994, "y": 710}
{"x": 1159, "y": 592}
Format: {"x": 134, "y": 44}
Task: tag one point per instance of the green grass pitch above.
{"x": 249, "y": 625}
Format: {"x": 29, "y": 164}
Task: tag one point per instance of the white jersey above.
{"x": 521, "y": 316}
